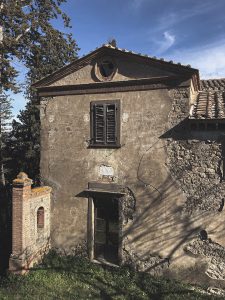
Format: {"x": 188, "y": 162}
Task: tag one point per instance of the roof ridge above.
{"x": 141, "y": 54}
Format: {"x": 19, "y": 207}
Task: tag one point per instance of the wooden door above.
{"x": 106, "y": 234}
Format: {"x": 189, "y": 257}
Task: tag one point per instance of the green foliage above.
{"x": 77, "y": 278}
{"x": 5, "y": 115}
{"x": 30, "y": 37}
{"x": 23, "y": 144}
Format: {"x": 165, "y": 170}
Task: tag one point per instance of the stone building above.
{"x": 133, "y": 148}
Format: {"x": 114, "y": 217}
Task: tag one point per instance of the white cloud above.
{"x": 167, "y": 42}
{"x": 173, "y": 18}
{"x": 161, "y": 43}
{"x": 210, "y": 60}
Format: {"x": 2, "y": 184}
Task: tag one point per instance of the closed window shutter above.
{"x": 105, "y": 123}
{"x": 99, "y": 123}
{"x": 111, "y": 124}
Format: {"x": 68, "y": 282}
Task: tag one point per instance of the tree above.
{"x": 5, "y": 116}
{"x": 27, "y": 26}
{"x": 23, "y": 145}
{"x": 29, "y": 36}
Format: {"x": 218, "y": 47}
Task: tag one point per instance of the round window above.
{"x": 105, "y": 69}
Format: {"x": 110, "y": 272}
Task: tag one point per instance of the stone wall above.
{"x": 31, "y": 235}
{"x": 198, "y": 166}
{"x": 196, "y": 162}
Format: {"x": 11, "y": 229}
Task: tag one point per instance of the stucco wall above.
{"x": 68, "y": 165}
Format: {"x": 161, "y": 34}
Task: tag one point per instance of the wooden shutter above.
{"x": 105, "y": 123}
{"x": 99, "y": 123}
{"x": 111, "y": 124}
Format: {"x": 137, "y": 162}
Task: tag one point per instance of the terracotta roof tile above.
{"x": 210, "y": 103}
{"x": 213, "y": 84}
{"x": 144, "y": 55}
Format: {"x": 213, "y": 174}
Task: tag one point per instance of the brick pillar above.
{"x": 20, "y": 222}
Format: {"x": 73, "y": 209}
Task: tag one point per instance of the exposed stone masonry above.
{"x": 128, "y": 204}
{"x": 198, "y": 166}
{"x": 215, "y": 254}
{"x": 154, "y": 264}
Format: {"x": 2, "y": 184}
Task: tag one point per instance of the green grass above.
{"x": 77, "y": 278}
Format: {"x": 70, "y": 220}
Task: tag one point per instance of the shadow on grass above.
{"x": 85, "y": 280}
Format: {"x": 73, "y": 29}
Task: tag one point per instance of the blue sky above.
{"x": 187, "y": 31}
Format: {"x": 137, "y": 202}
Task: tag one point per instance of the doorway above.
{"x": 106, "y": 229}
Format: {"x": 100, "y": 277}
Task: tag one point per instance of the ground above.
{"x": 77, "y": 278}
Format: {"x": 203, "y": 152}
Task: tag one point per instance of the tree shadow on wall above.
{"x": 158, "y": 226}
{"x": 162, "y": 225}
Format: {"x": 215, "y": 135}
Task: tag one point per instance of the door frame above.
{"x": 91, "y": 228}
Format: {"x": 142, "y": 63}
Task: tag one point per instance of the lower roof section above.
{"x": 209, "y": 105}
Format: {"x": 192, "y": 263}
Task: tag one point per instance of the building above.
{"x": 133, "y": 148}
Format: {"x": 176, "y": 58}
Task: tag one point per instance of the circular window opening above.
{"x": 106, "y": 68}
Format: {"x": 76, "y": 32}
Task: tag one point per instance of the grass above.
{"x": 77, "y": 278}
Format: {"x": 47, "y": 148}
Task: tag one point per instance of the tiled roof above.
{"x": 213, "y": 84}
{"x": 210, "y": 103}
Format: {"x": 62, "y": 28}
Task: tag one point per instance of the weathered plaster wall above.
{"x": 176, "y": 183}
{"x": 68, "y": 164}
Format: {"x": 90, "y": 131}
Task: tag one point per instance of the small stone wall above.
{"x": 31, "y": 224}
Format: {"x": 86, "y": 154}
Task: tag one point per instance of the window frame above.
{"x": 41, "y": 217}
{"x": 93, "y": 144}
